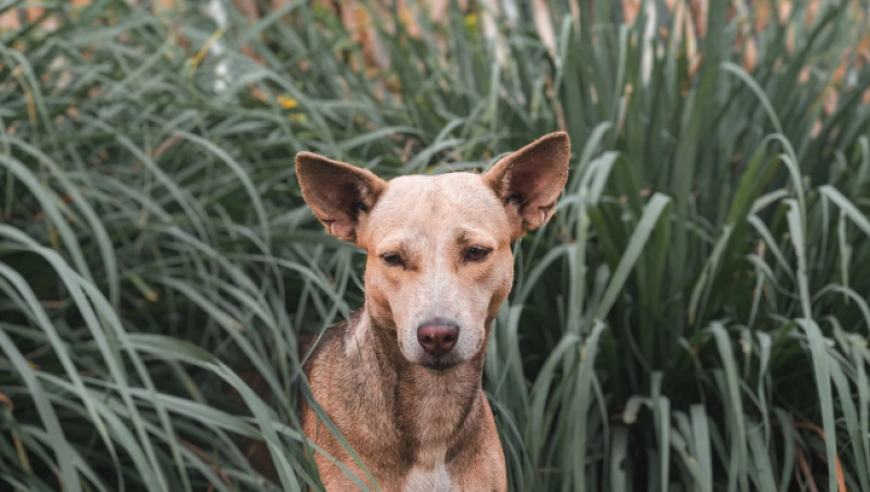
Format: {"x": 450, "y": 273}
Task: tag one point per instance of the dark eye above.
{"x": 393, "y": 259}
{"x": 476, "y": 254}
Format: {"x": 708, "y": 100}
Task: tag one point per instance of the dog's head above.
{"x": 439, "y": 247}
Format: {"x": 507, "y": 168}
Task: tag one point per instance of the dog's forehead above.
{"x": 451, "y": 188}
{"x": 452, "y": 199}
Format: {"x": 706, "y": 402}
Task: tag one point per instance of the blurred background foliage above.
{"x": 695, "y": 317}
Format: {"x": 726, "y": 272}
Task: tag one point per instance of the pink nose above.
{"x": 437, "y": 339}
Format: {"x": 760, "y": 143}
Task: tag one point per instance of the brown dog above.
{"x": 402, "y": 377}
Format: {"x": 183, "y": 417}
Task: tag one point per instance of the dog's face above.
{"x": 439, "y": 247}
{"x": 439, "y": 253}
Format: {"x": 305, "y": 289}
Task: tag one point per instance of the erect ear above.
{"x": 338, "y": 193}
{"x": 530, "y": 180}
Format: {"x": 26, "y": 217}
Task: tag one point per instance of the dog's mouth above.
{"x": 440, "y": 364}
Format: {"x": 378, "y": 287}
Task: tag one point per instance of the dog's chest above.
{"x": 429, "y": 474}
{"x": 434, "y": 480}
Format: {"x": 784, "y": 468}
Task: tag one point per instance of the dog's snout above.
{"x": 438, "y": 337}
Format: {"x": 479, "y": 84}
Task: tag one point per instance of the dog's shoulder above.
{"x": 334, "y": 337}
{"x": 314, "y": 346}
{"x": 313, "y": 349}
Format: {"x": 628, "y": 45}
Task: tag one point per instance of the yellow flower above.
{"x": 471, "y": 20}
{"x": 287, "y": 102}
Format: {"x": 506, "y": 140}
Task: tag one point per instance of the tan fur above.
{"x": 418, "y": 422}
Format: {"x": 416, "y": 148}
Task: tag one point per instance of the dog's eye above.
{"x": 476, "y": 254}
{"x": 393, "y": 259}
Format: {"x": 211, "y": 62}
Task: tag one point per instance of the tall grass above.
{"x": 695, "y": 318}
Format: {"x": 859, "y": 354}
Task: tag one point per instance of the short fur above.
{"x": 421, "y": 422}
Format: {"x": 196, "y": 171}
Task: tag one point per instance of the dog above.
{"x": 401, "y": 378}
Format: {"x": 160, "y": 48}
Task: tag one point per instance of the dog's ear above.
{"x": 530, "y": 180}
{"x": 338, "y": 193}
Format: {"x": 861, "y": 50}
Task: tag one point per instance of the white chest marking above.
{"x": 435, "y": 480}
{"x": 429, "y": 474}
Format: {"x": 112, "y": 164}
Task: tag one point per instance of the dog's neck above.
{"x": 428, "y": 408}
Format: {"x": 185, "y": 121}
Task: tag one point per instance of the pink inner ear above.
{"x": 531, "y": 187}
{"x": 345, "y": 202}
{"x": 342, "y": 198}
{"x": 341, "y": 229}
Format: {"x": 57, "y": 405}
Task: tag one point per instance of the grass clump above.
{"x": 695, "y": 317}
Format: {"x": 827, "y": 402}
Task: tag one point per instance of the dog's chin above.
{"x": 439, "y": 364}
